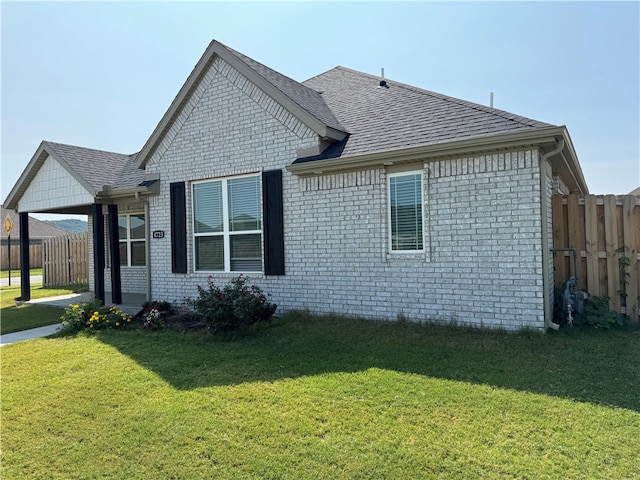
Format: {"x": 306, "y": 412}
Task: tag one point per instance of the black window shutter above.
{"x": 273, "y": 222}
{"x": 178, "y": 228}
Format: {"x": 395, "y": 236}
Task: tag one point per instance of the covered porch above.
{"x": 130, "y": 303}
{"x": 112, "y": 192}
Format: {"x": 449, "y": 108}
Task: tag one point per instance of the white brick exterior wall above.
{"x": 483, "y": 262}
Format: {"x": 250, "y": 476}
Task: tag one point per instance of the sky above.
{"x": 102, "y": 74}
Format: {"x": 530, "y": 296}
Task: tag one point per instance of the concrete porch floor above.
{"x": 131, "y": 302}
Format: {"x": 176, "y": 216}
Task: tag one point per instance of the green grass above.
{"x": 324, "y": 398}
{"x": 16, "y": 318}
{"x": 16, "y": 273}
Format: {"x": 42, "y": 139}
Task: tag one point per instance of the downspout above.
{"x": 545, "y": 238}
{"x": 147, "y": 243}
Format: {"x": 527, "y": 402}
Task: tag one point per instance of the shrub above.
{"x": 93, "y": 315}
{"x": 596, "y": 314}
{"x": 154, "y": 314}
{"x": 235, "y": 305}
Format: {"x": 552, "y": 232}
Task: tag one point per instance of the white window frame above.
{"x": 226, "y": 233}
{"x": 130, "y": 240}
{"x": 420, "y": 174}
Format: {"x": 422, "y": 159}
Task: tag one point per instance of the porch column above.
{"x": 98, "y": 250}
{"x": 114, "y": 246}
{"x": 25, "y": 281}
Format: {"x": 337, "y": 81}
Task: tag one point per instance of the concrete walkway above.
{"x": 131, "y": 304}
{"x": 9, "y": 338}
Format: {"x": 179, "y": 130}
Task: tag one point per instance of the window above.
{"x": 227, "y": 224}
{"x": 131, "y": 232}
{"x": 405, "y": 212}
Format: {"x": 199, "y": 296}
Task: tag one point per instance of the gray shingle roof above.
{"x": 37, "y": 229}
{"x": 305, "y": 97}
{"x": 400, "y": 116}
{"x": 99, "y": 167}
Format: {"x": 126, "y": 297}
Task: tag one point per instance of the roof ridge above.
{"x": 248, "y": 61}
{"x": 530, "y": 122}
{"x": 53, "y": 144}
{"x": 327, "y": 71}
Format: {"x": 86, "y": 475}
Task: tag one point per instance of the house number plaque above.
{"x": 158, "y": 234}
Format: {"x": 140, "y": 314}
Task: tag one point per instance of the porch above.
{"x": 131, "y": 303}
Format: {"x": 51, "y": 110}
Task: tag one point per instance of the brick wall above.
{"x": 483, "y": 262}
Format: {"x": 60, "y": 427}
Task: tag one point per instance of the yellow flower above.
{"x": 128, "y": 319}
{"x": 91, "y": 326}
{"x": 117, "y": 324}
{"x": 75, "y": 306}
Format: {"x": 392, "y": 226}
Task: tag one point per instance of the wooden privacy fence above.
{"x": 605, "y": 231}
{"x": 35, "y": 255}
{"x": 65, "y": 260}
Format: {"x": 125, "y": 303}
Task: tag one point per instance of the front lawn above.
{"x": 324, "y": 398}
{"x": 16, "y": 318}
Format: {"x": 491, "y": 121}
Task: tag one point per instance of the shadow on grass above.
{"x": 584, "y": 365}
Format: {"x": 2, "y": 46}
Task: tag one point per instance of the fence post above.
{"x": 611, "y": 248}
{"x": 591, "y": 241}
{"x": 631, "y": 250}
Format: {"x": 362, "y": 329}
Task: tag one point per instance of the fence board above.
{"x": 66, "y": 260}
{"x": 591, "y": 242}
{"x": 631, "y": 251}
{"x": 35, "y": 255}
{"x": 575, "y": 237}
{"x": 611, "y": 247}
{"x": 559, "y": 234}
{"x": 602, "y": 229}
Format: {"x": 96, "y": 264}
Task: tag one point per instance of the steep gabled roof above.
{"x": 305, "y": 104}
{"x": 91, "y": 168}
{"x": 305, "y": 97}
{"x": 399, "y": 116}
{"x": 99, "y": 167}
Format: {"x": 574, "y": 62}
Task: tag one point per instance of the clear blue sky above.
{"x": 101, "y": 75}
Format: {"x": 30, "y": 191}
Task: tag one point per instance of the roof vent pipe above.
{"x": 383, "y": 82}
{"x": 491, "y": 99}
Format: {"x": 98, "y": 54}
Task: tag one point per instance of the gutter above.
{"x": 147, "y": 243}
{"x": 545, "y": 239}
{"x": 528, "y": 138}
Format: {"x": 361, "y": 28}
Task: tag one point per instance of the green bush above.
{"x": 596, "y": 314}
{"x": 237, "y": 304}
{"x": 93, "y": 315}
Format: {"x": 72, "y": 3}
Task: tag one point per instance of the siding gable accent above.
{"x": 178, "y": 202}
{"x": 52, "y": 185}
{"x": 273, "y": 220}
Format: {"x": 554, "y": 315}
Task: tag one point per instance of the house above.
{"x": 38, "y": 231}
{"x": 344, "y": 193}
